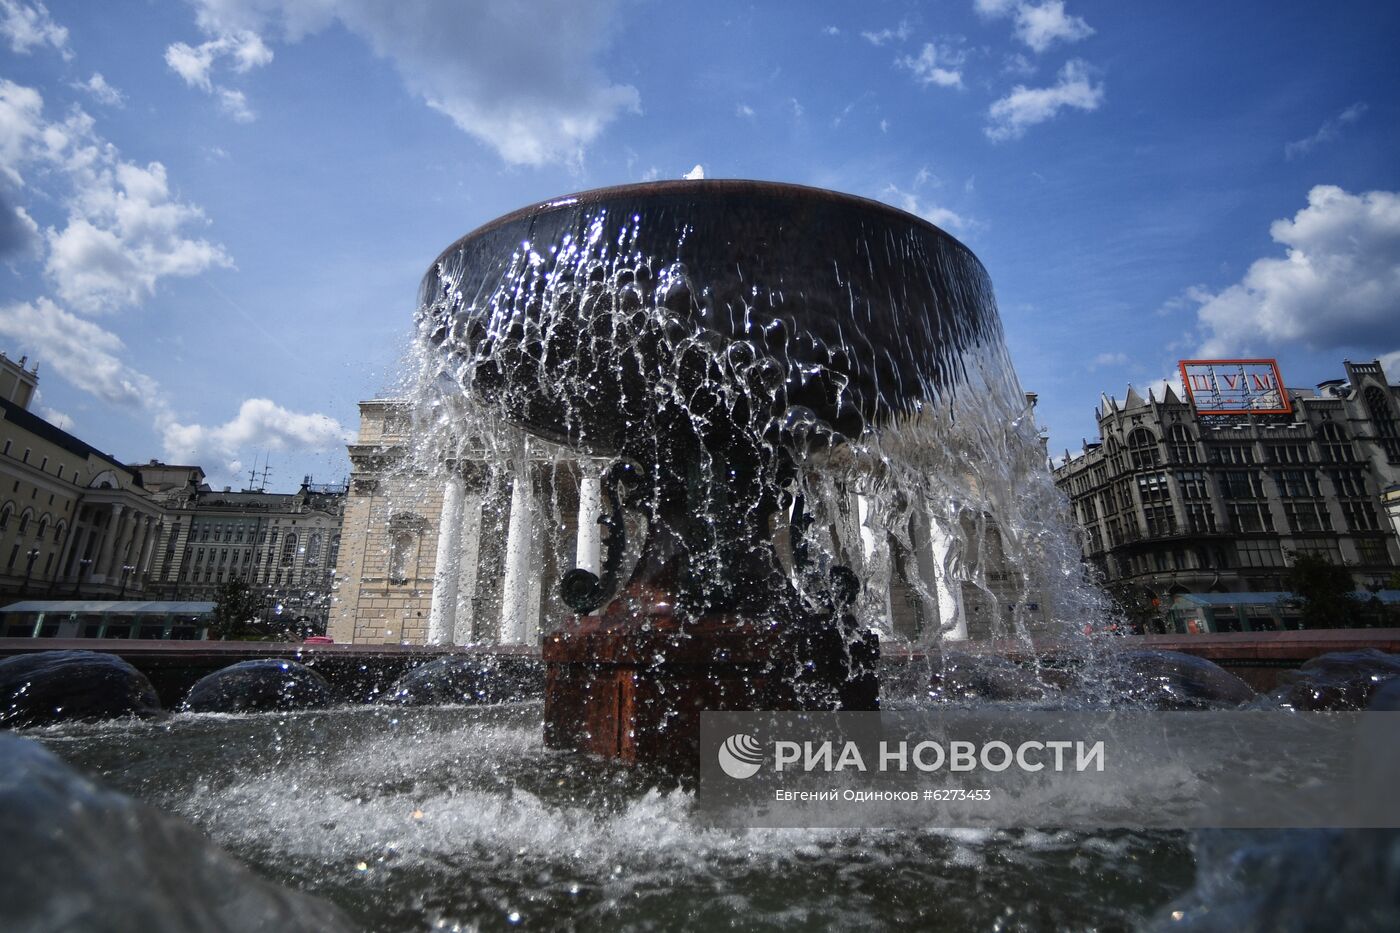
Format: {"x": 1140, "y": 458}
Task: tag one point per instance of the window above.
{"x": 313, "y": 549}
{"x": 1349, "y": 483}
{"x": 26, "y": 455}
{"x": 1373, "y": 551}
{"x": 1359, "y": 515}
{"x": 60, "y": 471}
{"x": 5, "y": 516}
{"x": 289, "y": 550}
{"x": 400, "y": 557}
{"x": 1336, "y": 447}
{"x": 1383, "y": 419}
{"x": 24, "y": 521}
{"x": 1307, "y": 516}
{"x": 58, "y": 531}
{"x": 1297, "y": 484}
{"x": 1232, "y": 454}
{"x": 1193, "y": 484}
{"x": 7, "y": 448}
{"x": 1287, "y": 453}
{"x": 1183, "y": 448}
{"x": 1241, "y": 484}
{"x": 1259, "y": 553}
{"x": 1153, "y": 488}
{"x": 1161, "y": 520}
{"x": 1200, "y": 518}
{"x": 1143, "y": 448}
{"x": 1250, "y": 516}
{"x": 43, "y": 528}
{"x": 1326, "y": 548}
{"x": 43, "y": 464}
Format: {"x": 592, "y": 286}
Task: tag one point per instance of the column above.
{"x": 930, "y": 578}
{"x": 875, "y": 550}
{"x": 589, "y": 554}
{"x": 138, "y": 545}
{"x": 952, "y": 619}
{"x": 516, "y": 610}
{"x": 143, "y": 566}
{"x": 469, "y": 562}
{"x": 442, "y": 614}
{"x": 109, "y": 542}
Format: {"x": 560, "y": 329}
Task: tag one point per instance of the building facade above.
{"x": 74, "y": 522}
{"x": 283, "y": 545}
{"x": 1174, "y": 502}
{"x": 477, "y": 556}
{"x": 78, "y": 524}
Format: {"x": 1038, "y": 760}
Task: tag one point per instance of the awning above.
{"x": 110, "y": 607}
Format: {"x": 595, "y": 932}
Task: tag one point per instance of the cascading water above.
{"x": 800, "y": 382}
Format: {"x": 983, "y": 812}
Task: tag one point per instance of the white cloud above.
{"x": 832, "y": 31}
{"x": 935, "y": 65}
{"x": 124, "y": 229}
{"x": 1390, "y": 362}
{"x": 899, "y": 33}
{"x": 1025, "y": 106}
{"x": 28, "y": 26}
{"x": 1042, "y": 25}
{"x": 1038, "y": 25}
{"x": 743, "y": 110}
{"x": 260, "y": 423}
{"x": 80, "y": 351}
{"x": 19, "y": 234}
{"x": 1018, "y": 66}
{"x": 100, "y": 91}
{"x": 1110, "y": 359}
{"x": 1330, "y": 130}
{"x": 1336, "y": 286}
{"x": 235, "y": 104}
{"x": 522, "y": 78}
{"x": 938, "y": 216}
{"x": 244, "y": 50}
{"x": 797, "y": 110}
{"x": 696, "y": 173}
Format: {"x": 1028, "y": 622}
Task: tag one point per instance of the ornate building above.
{"x": 73, "y": 520}
{"x": 1177, "y": 502}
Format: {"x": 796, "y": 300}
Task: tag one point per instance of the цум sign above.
{"x": 1235, "y": 387}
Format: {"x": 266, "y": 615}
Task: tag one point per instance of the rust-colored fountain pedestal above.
{"x": 634, "y": 692}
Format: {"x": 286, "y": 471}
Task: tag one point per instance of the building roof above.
{"x": 23, "y": 418}
{"x": 110, "y": 607}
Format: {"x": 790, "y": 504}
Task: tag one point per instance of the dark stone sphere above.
{"x": 82, "y": 857}
{"x": 1174, "y": 680}
{"x": 58, "y": 686}
{"x": 259, "y": 686}
{"x": 468, "y": 679}
{"x": 959, "y": 676}
{"x": 1386, "y": 699}
{"x": 1337, "y": 682}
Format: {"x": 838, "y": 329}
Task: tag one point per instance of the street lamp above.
{"x": 31, "y": 557}
{"x": 126, "y": 572}
{"x": 83, "y": 566}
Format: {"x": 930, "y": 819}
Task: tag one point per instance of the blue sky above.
{"x": 214, "y": 214}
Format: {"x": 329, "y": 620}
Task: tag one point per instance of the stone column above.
{"x": 109, "y": 542}
{"x": 875, "y": 550}
{"x": 516, "y": 607}
{"x": 138, "y": 545}
{"x": 952, "y": 619}
{"x": 589, "y": 554}
{"x": 153, "y": 528}
{"x": 469, "y": 562}
{"x": 442, "y": 614}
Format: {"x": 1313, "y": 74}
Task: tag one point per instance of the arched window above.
{"x": 289, "y": 550}
{"x": 43, "y": 527}
{"x": 59, "y": 530}
{"x": 1383, "y": 418}
{"x": 24, "y": 518}
{"x": 334, "y": 554}
{"x": 1183, "y": 447}
{"x": 1115, "y": 455}
{"x": 1143, "y": 447}
{"x": 5, "y": 514}
{"x": 400, "y": 557}
{"x": 313, "y": 549}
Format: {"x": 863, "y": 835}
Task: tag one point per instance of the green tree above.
{"x": 1143, "y": 610}
{"x": 1325, "y": 590}
{"x": 236, "y": 609}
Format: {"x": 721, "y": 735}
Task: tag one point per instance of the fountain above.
{"x": 720, "y": 342}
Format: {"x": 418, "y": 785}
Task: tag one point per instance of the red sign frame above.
{"x": 1244, "y": 393}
